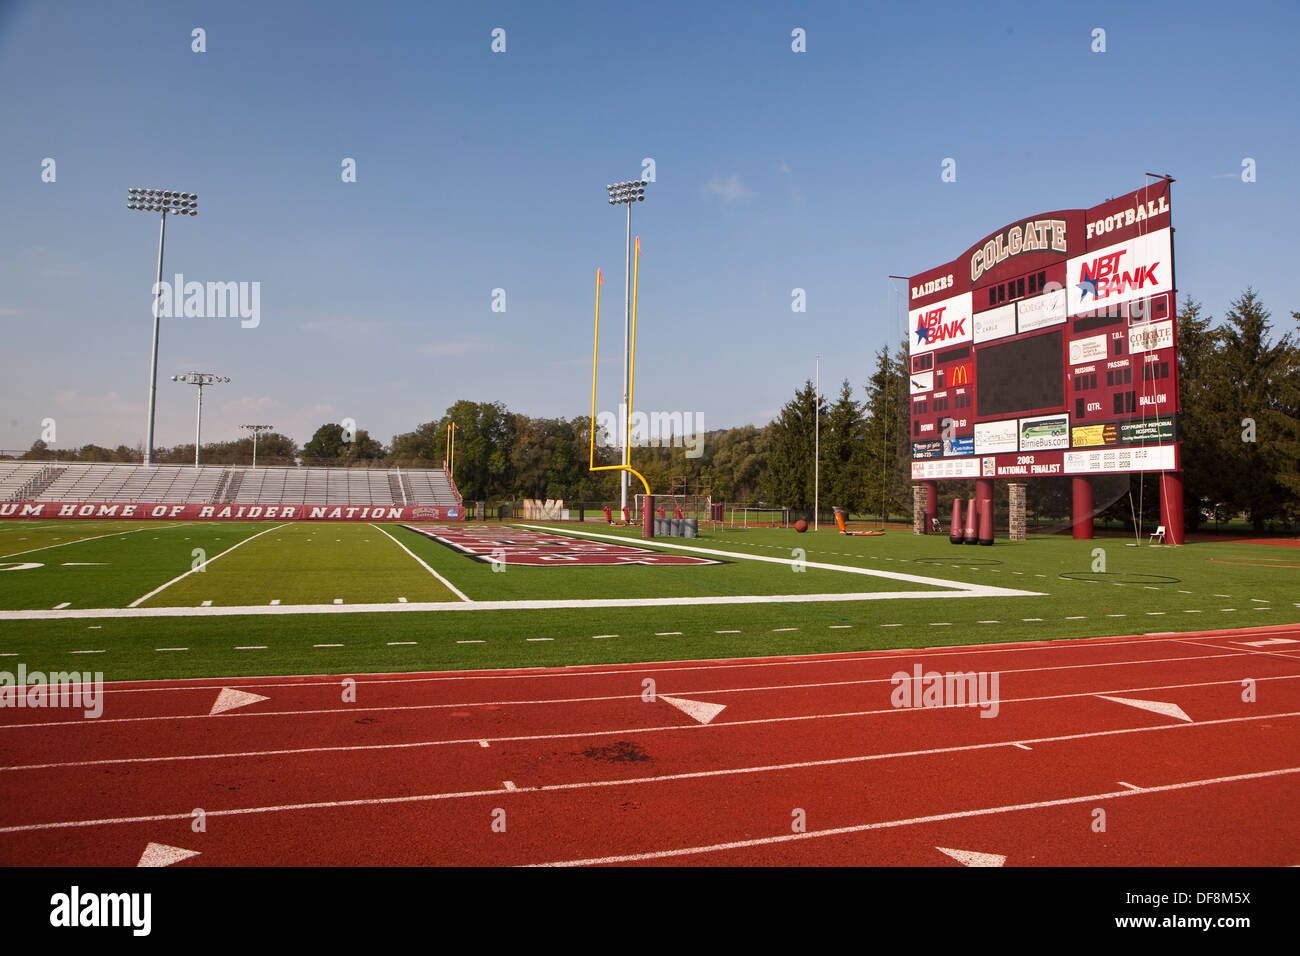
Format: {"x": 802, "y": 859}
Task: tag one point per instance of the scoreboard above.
{"x": 1050, "y": 347}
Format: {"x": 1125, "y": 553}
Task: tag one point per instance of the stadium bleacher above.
{"x": 222, "y": 484}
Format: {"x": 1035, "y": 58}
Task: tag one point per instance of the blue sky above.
{"x": 476, "y": 170}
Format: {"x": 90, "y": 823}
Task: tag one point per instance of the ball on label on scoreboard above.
{"x": 801, "y": 526}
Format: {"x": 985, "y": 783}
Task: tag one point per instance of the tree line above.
{"x": 1240, "y": 430}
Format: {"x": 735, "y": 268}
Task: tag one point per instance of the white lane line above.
{"x": 62, "y": 544}
{"x": 932, "y": 818}
{"x": 583, "y": 785}
{"x": 450, "y": 587}
{"x": 158, "y": 590}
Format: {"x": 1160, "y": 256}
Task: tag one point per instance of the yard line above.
{"x": 61, "y": 544}
{"x": 451, "y": 587}
{"x": 158, "y": 590}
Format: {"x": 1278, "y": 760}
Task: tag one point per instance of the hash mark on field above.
{"x": 95, "y": 627}
{"x": 60, "y": 607}
{"x": 1077, "y": 617}
{"x": 471, "y": 642}
{"x": 941, "y": 623}
{"x": 401, "y": 600}
{"x": 1031, "y": 619}
{"x": 252, "y": 647}
{"x": 85, "y": 652}
{"x": 539, "y": 638}
{"x": 1259, "y": 600}
{"x": 657, "y": 634}
{"x": 338, "y": 600}
{"x": 205, "y": 604}
{"x": 13, "y": 654}
{"x": 1227, "y": 609}
{"x": 990, "y": 622}
{"x": 1148, "y": 587}
{"x": 601, "y": 637}
{"x": 891, "y": 625}
{"x": 161, "y": 649}
{"x": 839, "y": 626}
{"x": 1191, "y": 612}
{"x": 327, "y": 645}
{"x": 1223, "y": 595}
{"x": 726, "y": 632}
{"x": 399, "y": 643}
{"x": 1117, "y": 615}
{"x": 276, "y": 601}
{"x": 776, "y": 629}
{"x": 1184, "y": 592}
{"x": 1154, "y": 613}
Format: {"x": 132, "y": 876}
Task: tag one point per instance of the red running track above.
{"x": 808, "y": 764}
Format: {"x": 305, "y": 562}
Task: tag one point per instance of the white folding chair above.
{"x": 1159, "y": 533}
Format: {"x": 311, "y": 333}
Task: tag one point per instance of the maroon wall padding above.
{"x": 972, "y": 536}
{"x": 1081, "y": 508}
{"x": 954, "y": 531}
{"x": 648, "y": 517}
{"x": 986, "y": 521}
{"x": 1171, "y": 505}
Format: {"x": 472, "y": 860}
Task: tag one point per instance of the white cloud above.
{"x": 730, "y": 189}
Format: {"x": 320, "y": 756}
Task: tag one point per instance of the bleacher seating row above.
{"x": 219, "y": 484}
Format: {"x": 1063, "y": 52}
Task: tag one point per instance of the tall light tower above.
{"x": 254, "y": 429}
{"x": 161, "y": 201}
{"x": 625, "y": 194}
{"x": 200, "y": 379}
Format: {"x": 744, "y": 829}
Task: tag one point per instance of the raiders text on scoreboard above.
{"x": 1049, "y": 347}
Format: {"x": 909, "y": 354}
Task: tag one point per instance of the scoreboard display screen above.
{"x": 1050, "y": 347}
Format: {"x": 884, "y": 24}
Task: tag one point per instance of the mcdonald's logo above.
{"x": 961, "y": 375}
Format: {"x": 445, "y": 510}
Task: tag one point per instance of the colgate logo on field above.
{"x": 931, "y": 328}
{"x": 1102, "y": 277}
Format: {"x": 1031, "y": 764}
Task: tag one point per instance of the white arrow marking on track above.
{"x": 697, "y": 709}
{"x": 972, "y": 858}
{"x": 230, "y": 699}
{"x": 160, "y": 854}
{"x": 1156, "y": 706}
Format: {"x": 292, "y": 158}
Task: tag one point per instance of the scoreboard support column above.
{"x": 1082, "y": 509}
{"x": 1171, "y": 505}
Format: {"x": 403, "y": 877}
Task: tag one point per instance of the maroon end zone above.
{"x": 545, "y": 550}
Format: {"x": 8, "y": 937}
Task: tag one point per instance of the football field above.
{"x": 172, "y": 599}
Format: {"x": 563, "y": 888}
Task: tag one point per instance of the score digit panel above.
{"x": 1050, "y": 347}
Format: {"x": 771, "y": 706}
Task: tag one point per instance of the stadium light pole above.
{"x": 817, "y": 443}
{"x": 179, "y": 204}
{"x": 200, "y": 379}
{"x": 625, "y": 194}
{"x": 254, "y": 429}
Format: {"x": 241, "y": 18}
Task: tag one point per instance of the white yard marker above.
{"x": 85, "y": 652}
{"x": 1076, "y": 617}
{"x": 726, "y": 632}
{"x": 539, "y": 638}
{"x": 778, "y": 629}
{"x": 327, "y": 645}
{"x": 941, "y": 623}
{"x": 401, "y": 600}
{"x": 835, "y": 627}
{"x": 891, "y": 625}
{"x": 252, "y": 647}
{"x": 338, "y": 600}
{"x": 275, "y": 602}
{"x": 657, "y": 634}
{"x": 161, "y": 649}
{"x": 205, "y": 604}
{"x": 450, "y": 587}
{"x": 65, "y": 543}
{"x": 180, "y": 577}
{"x": 601, "y": 637}
{"x": 160, "y": 854}
{"x": 972, "y": 858}
{"x": 400, "y": 643}
{"x": 230, "y": 699}
{"x": 470, "y": 642}
{"x": 60, "y": 607}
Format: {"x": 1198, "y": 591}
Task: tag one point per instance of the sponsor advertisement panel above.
{"x": 1041, "y": 311}
{"x": 1043, "y": 432}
